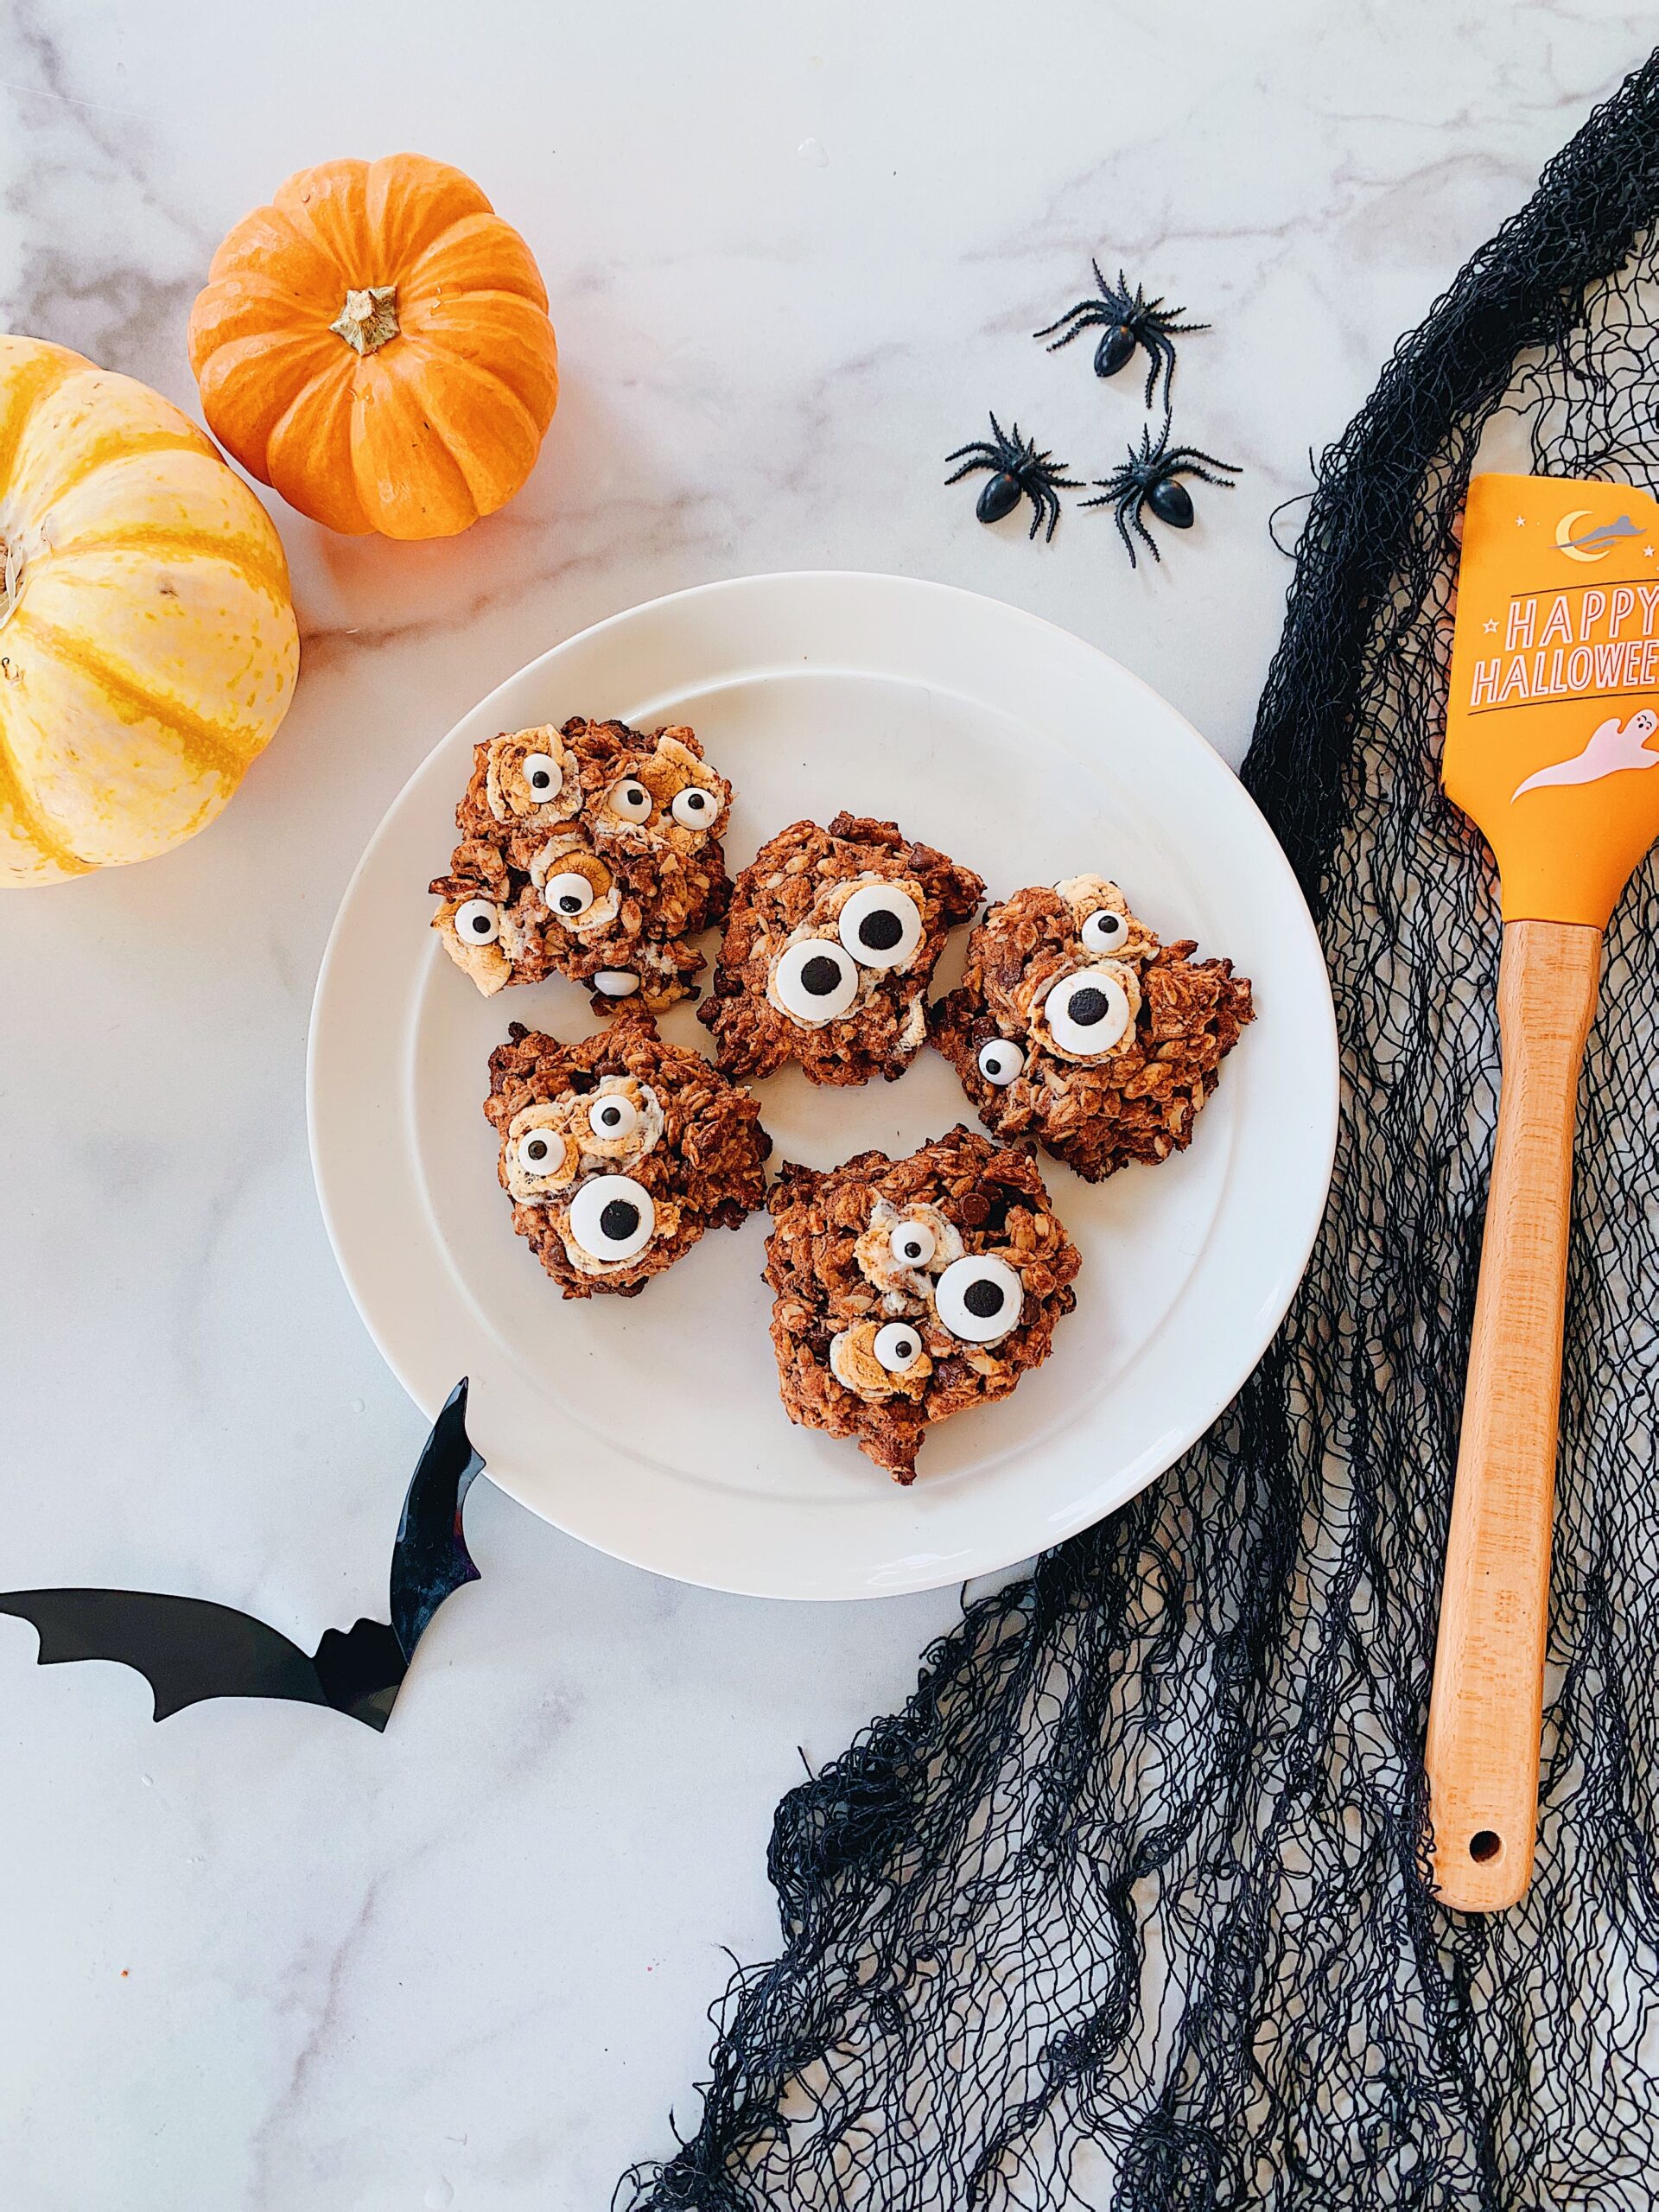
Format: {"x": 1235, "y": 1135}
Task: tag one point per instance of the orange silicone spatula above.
{"x": 1551, "y": 722}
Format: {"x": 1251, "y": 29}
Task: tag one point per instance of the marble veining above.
{"x": 260, "y": 1958}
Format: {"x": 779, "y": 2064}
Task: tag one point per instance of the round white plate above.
{"x": 651, "y": 1427}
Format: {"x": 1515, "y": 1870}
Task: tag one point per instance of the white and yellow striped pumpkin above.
{"x": 148, "y": 646}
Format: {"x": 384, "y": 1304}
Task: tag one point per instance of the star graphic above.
{"x": 1520, "y": 522}
{"x": 1492, "y": 625}
{"x": 1647, "y": 552}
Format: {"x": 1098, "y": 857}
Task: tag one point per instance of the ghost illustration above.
{"x": 1610, "y": 750}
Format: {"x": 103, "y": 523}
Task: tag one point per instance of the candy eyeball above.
{"x": 1001, "y": 1061}
{"x": 478, "y": 921}
{"x": 815, "y": 982}
{"x": 613, "y": 1217}
{"x": 541, "y": 1152}
{"x": 898, "y": 1346}
{"x": 880, "y": 925}
{"x": 694, "y": 808}
{"x": 568, "y": 895}
{"x": 1089, "y": 1012}
{"x": 1105, "y": 931}
{"x": 614, "y": 1115}
{"x": 543, "y": 777}
{"x": 912, "y": 1244}
{"x": 629, "y": 801}
{"x": 616, "y": 982}
{"x": 979, "y": 1298}
{"x": 541, "y": 1156}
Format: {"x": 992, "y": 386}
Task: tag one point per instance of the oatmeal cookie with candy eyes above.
{"x": 591, "y": 851}
{"x": 909, "y": 1290}
{"x": 832, "y": 942}
{"x": 1074, "y": 1025}
{"x": 620, "y": 1151}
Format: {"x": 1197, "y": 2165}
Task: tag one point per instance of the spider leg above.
{"x": 980, "y": 455}
{"x": 1047, "y": 501}
{"x": 1141, "y": 526}
{"x": 1080, "y": 317}
{"x": 1150, "y": 337}
{"x": 1125, "y": 500}
{"x": 1186, "y": 460}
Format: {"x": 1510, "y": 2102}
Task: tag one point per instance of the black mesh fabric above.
{"x": 1126, "y": 1908}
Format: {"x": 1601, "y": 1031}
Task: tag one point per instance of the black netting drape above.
{"x": 1125, "y": 1910}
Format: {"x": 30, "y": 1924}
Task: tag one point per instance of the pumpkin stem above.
{"x": 368, "y": 319}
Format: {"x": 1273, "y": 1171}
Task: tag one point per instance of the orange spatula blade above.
{"x": 1553, "y": 715}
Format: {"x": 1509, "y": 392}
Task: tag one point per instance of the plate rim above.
{"x": 1275, "y": 1299}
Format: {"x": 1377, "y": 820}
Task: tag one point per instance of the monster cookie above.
{"x": 1074, "y": 1025}
{"x": 620, "y": 1151}
{"x": 910, "y": 1290}
{"x": 591, "y": 851}
{"x": 832, "y": 941}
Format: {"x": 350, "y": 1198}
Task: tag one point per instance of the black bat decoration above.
{"x": 188, "y": 1648}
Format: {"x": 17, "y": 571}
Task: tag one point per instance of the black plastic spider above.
{"x": 1149, "y": 479}
{"x": 1020, "y": 472}
{"x": 1129, "y": 323}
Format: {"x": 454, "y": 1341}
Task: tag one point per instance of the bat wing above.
{"x": 430, "y": 1561}
{"x": 187, "y": 1649}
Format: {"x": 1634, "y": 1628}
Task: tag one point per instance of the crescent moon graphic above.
{"x": 1564, "y": 531}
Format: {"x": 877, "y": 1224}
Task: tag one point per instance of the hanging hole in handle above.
{"x": 1485, "y": 1844}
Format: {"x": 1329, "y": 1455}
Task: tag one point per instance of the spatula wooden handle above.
{"x": 1486, "y": 1712}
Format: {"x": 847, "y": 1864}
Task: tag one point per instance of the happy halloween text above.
{"x": 1590, "y": 652}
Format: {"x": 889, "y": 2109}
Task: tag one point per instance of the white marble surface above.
{"x": 257, "y": 1958}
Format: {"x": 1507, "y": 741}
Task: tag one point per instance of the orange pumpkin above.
{"x": 375, "y": 344}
